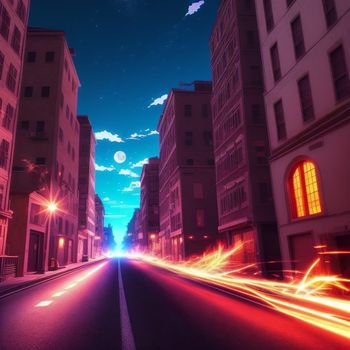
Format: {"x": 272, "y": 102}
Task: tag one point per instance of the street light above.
{"x": 52, "y": 207}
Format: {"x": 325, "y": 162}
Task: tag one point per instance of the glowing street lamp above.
{"x": 52, "y": 207}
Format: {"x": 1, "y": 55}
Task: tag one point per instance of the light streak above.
{"x": 58, "y": 294}
{"x": 310, "y": 298}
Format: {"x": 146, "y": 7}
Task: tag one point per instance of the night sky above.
{"x": 128, "y": 54}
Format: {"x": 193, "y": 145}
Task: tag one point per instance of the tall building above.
{"x": 47, "y": 145}
{"x": 13, "y": 26}
{"x": 86, "y": 244}
{"x": 188, "y": 223}
{"x": 150, "y": 206}
{"x": 99, "y": 225}
{"x": 132, "y": 240}
{"x": 305, "y": 48}
{"x": 245, "y": 205}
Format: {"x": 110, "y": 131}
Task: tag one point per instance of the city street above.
{"x": 148, "y": 308}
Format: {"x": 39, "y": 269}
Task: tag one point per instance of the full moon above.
{"x": 120, "y": 157}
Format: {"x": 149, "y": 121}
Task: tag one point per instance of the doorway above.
{"x": 35, "y": 255}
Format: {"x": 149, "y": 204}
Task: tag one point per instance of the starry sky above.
{"x": 129, "y": 54}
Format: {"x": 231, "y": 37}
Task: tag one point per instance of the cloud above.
{"x": 127, "y": 172}
{"x": 106, "y": 199}
{"x": 137, "y": 136}
{"x": 115, "y": 216}
{"x": 106, "y": 135}
{"x": 194, "y": 7}
{"x": 158, "y": 101}
{"x": 133, "y": 185}
{"x": 140, "y": 164}
{"x": 104, "y": 168}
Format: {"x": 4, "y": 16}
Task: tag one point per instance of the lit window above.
{"x": 305, "y": 190}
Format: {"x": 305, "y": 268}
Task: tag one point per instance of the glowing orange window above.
{"x": 305, "y": 190}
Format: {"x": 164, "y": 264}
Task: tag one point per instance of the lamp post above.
{"x": 51, "y": 208}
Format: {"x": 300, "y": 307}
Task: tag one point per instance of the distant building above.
{"x": 86, "y": 244}
{"x": 133, "y": 240}
{"x": 47, "y": 145}
{"x": 245, "y": 204}
{"x": 150, "y": 206}
{"x": 188, "y": 221}
{"x": 305, "y": 48}
{"x": 99, "y": 225}
{"x": 13, "y": 19}
{"x": 108, "y": 239}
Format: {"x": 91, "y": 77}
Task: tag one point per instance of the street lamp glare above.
{"x": 52, "y": 207}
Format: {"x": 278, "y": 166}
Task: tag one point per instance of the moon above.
{"x": 120, "y": 157}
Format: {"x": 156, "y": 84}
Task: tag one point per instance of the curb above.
{"x": 26, "y": 285}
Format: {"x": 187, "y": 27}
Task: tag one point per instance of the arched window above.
{"x": 305, "y": 190}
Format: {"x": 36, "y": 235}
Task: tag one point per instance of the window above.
{"x": 9, "y": 115}
{"x": 49, "y": 56}
{"x": 21, "y": 10}
{"x": 11, "y": 80}
{"x": 280, "y": 123}
{"x": 298, "y": 37}
{"x": 2, "y": 59}
{"x": 45, "y": 91}
{"x": 31, "y": 56}
{"x": 330, "y": 12}
{"x": 200, "y": 218}
{"x": 16, "y": 40}
{"x": 340, "y": 73}
{"x": 4, "y": 153}
{"x": 275, "y": 61}
{"x": 307, "y": 108}
{"x": 40, "y": 126}
{"x": 4, "y": 22}
{"x": 256, "y": 114}
{"x": 268, "y": 15}
{"x": 60, "y": 135}
{"x": 25, "y": 124}
{"x": 40, "y": 161}
{"x": 28, "y": 91}
{"x": 255, "y": 75}
{"x": 290, "y": 2}
{"x": 250, "y": 38}
{"x": 189, "y": 162}
{"x": 188, "y": 138}
{"x": 304, "y": 189}
{"x": 188, "y": 110}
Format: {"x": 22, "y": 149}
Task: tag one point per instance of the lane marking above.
{"x": 71, "y": 286}
{"x": 128, "y": 341}
{"x": 44, "y": 303}
{"x": 58, "y": 294}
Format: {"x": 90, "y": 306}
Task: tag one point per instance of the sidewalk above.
{"x": 15, "y": 283}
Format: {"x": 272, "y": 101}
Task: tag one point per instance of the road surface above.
{"x": 148, "y": 308}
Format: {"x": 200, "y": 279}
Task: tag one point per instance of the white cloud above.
{"x": 133, "y": 185}
{"x": 194, "y": 7}
{"x": 104, "y": 168}
{"x": 106, "y": 199}
{"x": 137, "y": 136}
{"x": 127, "y": 172}
{"x": 140, "y": 164}
{"x": 115, "y": 216}
{"x": 106, "y": 135}
{"x": 158, "y": 101}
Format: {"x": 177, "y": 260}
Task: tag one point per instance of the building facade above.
{"x": 99, "y": 225}
{"x": 245, "y": 206}
{"x": 47, "y": 140}
{"x": 13, "y": 27}
{"x": 86, "y": 244}
{"x": 188, "y": 224}
{"x": 149, "y": 205}
{"x": 305, "y": 48}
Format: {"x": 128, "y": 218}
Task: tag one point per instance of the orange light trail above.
{"x": 308, "y": 299}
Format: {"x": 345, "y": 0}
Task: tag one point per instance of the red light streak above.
{"x": 308, "y": 299}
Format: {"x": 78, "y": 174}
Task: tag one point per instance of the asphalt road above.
{"x": 148, "y": 308}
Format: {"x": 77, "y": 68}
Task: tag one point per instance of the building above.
{"x": 150, "y": 206}
{"x": 108, "y": 239}
{"x": 245, "y": 206}
{"x": 47, "y": 144}
{"x": 305, "y": 47}
{"x": 188, "y": 223}
{"x": 134, "y": 240}
{"x": 99, "y": 225}
{"x": 86, "y": 244}
{"x": 13, "y": 19}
